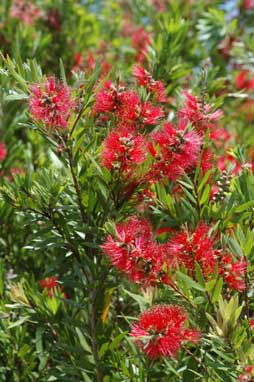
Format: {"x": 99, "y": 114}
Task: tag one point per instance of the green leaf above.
{"x": 217, "y": 290}
{"x": 205, "y": 194}
{"x": 190, "y": 282}
{"x": 82, "y": 340}
{"x": 19, "y": 322}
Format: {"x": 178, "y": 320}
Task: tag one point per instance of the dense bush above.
{"x": 127, "y": 191}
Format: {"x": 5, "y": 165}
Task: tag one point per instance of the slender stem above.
{"x": 197, "y": 199}
{"x": 93, "y": 322}
{"x": 173, "y": 286}
{"x": 77, "y": 119}
{"x": 76, "y": 186}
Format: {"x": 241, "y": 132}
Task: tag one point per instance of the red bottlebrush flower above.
{"x": 125, "y": 103}
{"x": 233, "y": 272}
{"x": 220, "y": 136}
{"x": 150, "y": 114}
{"x": 140, "y": 42}
{"x": 206, "y": 160}
{"x": 49, "y": 282}
{"x": 134, "y": 252}
{"x": 88, "y": 63}
{"x": 52, "y": 286}
{"x": 3, "y": 151}
{"x": 144, "y": 78}
{"x": 51, "y": 103}
{"x": 248, "y": 4}
{"x": 241, "y": 80}
{"x": 251, "y": 323}
{"x": 190, "y": 247}
{"x": 128, "y": 105}
{"x": 228, "y": 160}
{"x": 160, "y": 331}
{"x": 123, "y": 149}
{"x": 177, "y": 152}
{"x": 159, "y": 90}
{"x": 25, "y": 11}
{"x": 200, "y": 117}
{"x": 244, "y": 80}
{"x": 105, "y": 99}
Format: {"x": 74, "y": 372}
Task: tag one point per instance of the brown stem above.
{"x": 173, "y": 286}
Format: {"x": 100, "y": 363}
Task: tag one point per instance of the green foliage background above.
{"x": 55, "y": 214}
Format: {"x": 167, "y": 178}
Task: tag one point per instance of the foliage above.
{"x": 126, "y": 183}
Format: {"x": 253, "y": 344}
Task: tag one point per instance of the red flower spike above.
{"x": 177, "y": 151}
{"x": 160, "y": 331}
{"x": 123, "y": 149}
{"x": 150, "y": 115}
{"x": 134, "y": 252}
{"x": 140, "y": 42}
{"x": 244, "y": 80}
{"x": 144, "y": 78}
{"x": 51, "y": 103}
{"x": 200, "y": 117}
{"x": 190, "y": 247}
{"x": 49, "y": 282}
{"x": 233, "y": 272}
{"x": 248, "y": 4}
{"x": 25, "y": 11}
{"x": 3, "y": 151}
{"x": 206, "y": 160}
{"x": 128, "y": 105}
{"x": 227, "y": 159}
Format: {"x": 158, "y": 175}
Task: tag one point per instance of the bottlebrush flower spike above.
{"x": 228, "y": 160}
{"x": 233, "y": 272}
{"x": 244, "y": 80}
{"x": 50, "y": 103}
{"x": 3, "y": 151}
{"x": 176, "y": 151}
{"x": 200, "y": 117}
{"x": 248, "y": 4}
{"x": 49, "y": 282}
{"x": 124, "y": 103}
{"x": 25, "y": 11}
{"x": 160, "y": 331}
{"x": 128, "y": 105}
{"x": 123, "y": 149}
{"x": 150, "y": 115}
{"x": 52, "y": 286}
{"x": 134, "y": 252}
{"x": 190, "y": 247}
{"x": 140, "y": 42}
{"x": 144, "y": 78}
{"x": 106, "y": 99}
